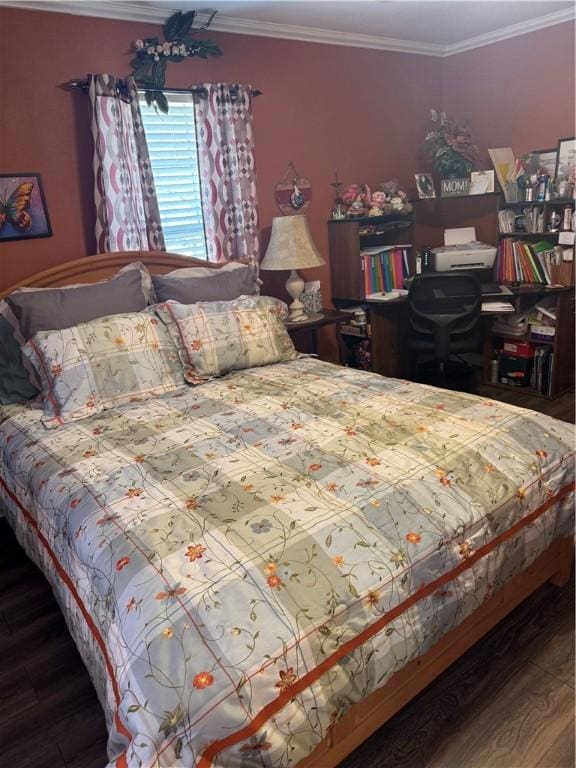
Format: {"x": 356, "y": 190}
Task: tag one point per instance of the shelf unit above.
{"x": 349, "y": 237}
{"x": 561, "y": 348}
{"x": 562, "y": 345}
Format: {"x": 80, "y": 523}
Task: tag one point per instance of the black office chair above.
{"x": 444, "y": 320}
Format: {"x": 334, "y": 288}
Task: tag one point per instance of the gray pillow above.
{"x": 15, "y": 385}
{"x": 51, "y": 309}
{"x": 189, "y": 286}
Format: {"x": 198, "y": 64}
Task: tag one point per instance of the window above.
{"x": 171, "y": 142}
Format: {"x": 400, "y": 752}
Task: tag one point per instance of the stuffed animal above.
{"x": 356, "y": 197}
{"x": 396, "y": 198}
{"x": 377, "y": 203}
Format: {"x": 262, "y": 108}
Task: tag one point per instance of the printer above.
{"x": 461, "y": 250}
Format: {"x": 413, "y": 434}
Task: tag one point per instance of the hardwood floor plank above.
{"x": 33, "y": 752}
{"x": 17, "y": 695}
{"x": 524, "y": 721}
{"x": 556, "y": 655}
{"x": 562, "y": 753}
{"x": 92, "y": 757}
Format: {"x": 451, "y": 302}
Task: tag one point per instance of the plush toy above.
{"x": 396, "y": 198}
{"x": 377, "y": 203}
{"x": 356, "y": 197}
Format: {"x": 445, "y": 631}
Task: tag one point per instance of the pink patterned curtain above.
{"x": 127, "y": 215}
{"x": 227, "y": 172}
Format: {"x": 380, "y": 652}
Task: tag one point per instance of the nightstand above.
{"x": 319, "y": 336}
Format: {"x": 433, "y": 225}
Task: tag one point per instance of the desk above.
{"x": 389, "y": 323}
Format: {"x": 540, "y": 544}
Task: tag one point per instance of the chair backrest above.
{"x": 444, "y": 306}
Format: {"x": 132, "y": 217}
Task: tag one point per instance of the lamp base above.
{"x": 295, "y": 288}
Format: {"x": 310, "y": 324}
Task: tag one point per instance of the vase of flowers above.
{"x": 449, "y": 146}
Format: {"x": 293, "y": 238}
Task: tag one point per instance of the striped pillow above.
{"x": 220, "y": 336}
{"x": 97, "y": 365}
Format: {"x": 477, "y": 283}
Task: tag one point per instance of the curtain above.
{"x": 127, "y": 215}
{"x": 227, "y": 173}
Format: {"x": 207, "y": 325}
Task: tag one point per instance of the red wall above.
{"x": 518, "y": 93}
{"x": 326, "y": 108}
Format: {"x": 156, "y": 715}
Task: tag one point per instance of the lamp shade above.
{"x": 291, "y": 245}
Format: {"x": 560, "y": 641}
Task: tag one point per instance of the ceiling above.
{"x": 435, "y": 27}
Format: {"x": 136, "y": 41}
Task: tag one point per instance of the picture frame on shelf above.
{"x": 481, "y": 182}
{"x": 425, "y": 185}
{"x": 543, "y": 159}
{"x": 23, "y": 211}
{"x": 566, "y": 160}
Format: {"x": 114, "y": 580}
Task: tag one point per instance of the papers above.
{"x": 504, "y": 164}
{"x": 399, "y": 293}
{"x": 481, "y": 182}
{"x": 459, "y": 236}
{"x": 497, "y": 307}
{"x": 567, "y": 238}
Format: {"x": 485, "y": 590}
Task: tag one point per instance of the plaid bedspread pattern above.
{"x": 215, "y": 548}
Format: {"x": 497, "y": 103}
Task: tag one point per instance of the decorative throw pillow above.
{"x": 189, "y": 286}
{"x": 220, "y": 336}
{"x": 50, "y": 309}
{"x": 98, "y": 365}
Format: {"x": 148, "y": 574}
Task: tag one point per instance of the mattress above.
{"x": 241, "y": 561}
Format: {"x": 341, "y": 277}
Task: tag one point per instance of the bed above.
{"x": 261, "y": 570}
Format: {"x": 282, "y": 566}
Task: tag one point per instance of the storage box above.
{"x": 542, "y": 332}
{"x": 518, "y": 348}
{"x": 514, "y": 371}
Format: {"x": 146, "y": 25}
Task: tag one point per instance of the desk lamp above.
{"x": 291, "y": 247}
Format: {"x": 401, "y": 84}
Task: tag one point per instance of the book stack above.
{"x": 530, "y": 220}
{"x": 522, "y": 262}
{"x": 384, "y": 269}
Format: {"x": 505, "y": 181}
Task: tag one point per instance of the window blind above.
{"x": 171, "y": 142}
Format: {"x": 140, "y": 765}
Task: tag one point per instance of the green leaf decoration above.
{"x": 172, "y": 26}
{"x": 149, "y": 64}
{"x": 161, "y": 101}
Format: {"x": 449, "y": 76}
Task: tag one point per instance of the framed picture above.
{"x": 23, "y": 212}
{"x": 566, "y": 161}
{"x": 481, "y": 182}
{"x": 543, "y": 160}
{"x": 425, "y": 185}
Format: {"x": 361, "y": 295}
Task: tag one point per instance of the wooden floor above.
{"x": 507, "y": 703}
{"x": 562, "y": 407}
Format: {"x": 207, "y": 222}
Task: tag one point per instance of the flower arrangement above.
{"x": 449, "y": 145}
{"x": 152, "y": 55}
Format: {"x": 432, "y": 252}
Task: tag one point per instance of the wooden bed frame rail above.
{"x": 91, "y": 269}
{"x": 364, "y": 718}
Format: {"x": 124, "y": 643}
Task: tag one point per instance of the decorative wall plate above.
{"x": 293, "y": 192}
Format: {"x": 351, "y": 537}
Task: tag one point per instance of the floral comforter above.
{"x": 240, "y": 561}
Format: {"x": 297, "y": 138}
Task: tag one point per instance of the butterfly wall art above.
{"x": 23, "y": 212}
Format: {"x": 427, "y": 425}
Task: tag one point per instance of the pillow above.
{"x": 109, "y": 361}
{"x": 47, "y": 309}
{"x": 15, "y": 383}
{"x": 216, "y": 337}
{"x": 189, "y": 286}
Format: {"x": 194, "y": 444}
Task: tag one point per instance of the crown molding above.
{"x": 513, "y": 30}
{"x": 134, "y": 11}
{"x": 325, "y": 36}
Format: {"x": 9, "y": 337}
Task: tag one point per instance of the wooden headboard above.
{"x": 91, "y": 269}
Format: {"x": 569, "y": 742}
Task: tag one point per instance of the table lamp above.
{"x": 291, "y": 247}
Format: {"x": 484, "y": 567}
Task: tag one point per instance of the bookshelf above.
{"x": 356, "y": 243}
{"x": 534, "y": 348}
{"x": 355, "y": 247}
{"x": 534, "y": 239}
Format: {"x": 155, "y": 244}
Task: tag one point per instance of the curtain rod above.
{"x": 76, "y": 84}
